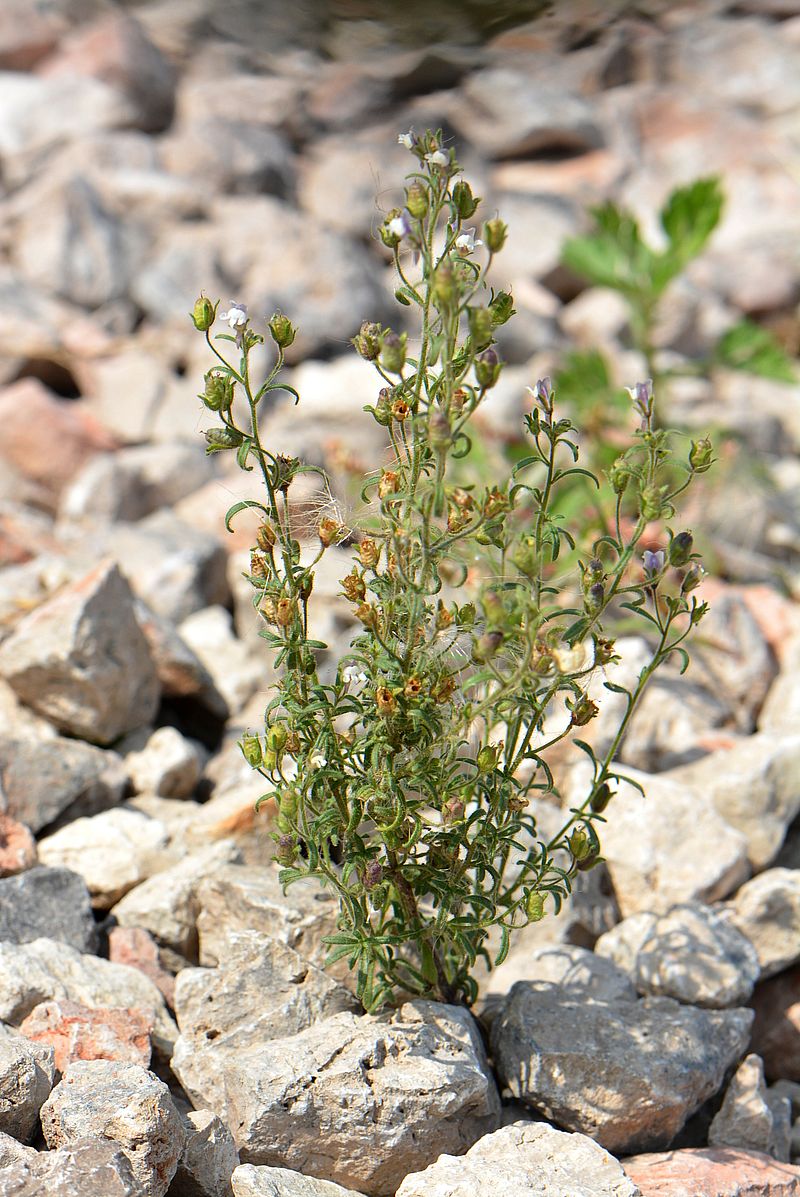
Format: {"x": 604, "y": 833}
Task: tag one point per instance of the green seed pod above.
{"x": 486, "y": 646}
{"x": 287, "y": 850}
{"x": 367, "y": 341}
{"x": 534, "y": 906}
{"x": 692, "y": 578}
{"x": 417, "y": 199}
{"x": 204, "y": 313}
{"x": 502, "y": 308}
{"x": 619, "y": 477}
{"x": 480, "y": 326}
{"x": 701, "y": 455}
{"x": 439, "y": 431}
{"x": 276, "y": 737}
{"x": 287, "y": 803}
{"x": 218, "y": 439}
{"x": 465, "y": 202}
{"x": 487, "y": 369}
{"x": 218, "y": 395}
{"x": 601, "y": 798}
{"x": 250, "y": 745}
{"x": 526, "y": 558}
{"x": 593, "y": 599}
{"x": 651, "y": 502}
{"x": 393, "y": 352}
{"x": 282, "y": 330}
{"x": 487, "y": 758}
{"x": 445, "y": 289}
{"x": 579, "y": 844}
{"x": 680, "y": 548}
{"x": 494, "y": 234}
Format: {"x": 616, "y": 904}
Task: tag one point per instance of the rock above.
{"x": 263, "y": 990}
{"x": 166, "y": 764}
{"x": 780, "y": 714}
{"x": 12, "y": 1153}
{"x": 47, "y": 901}
{"x": 528, "y": 1159}
{"x": 209, "y": 1158}
{"x": 566, "y": 965}
{"x": 136, "y": 947}
{"x": 358, "y": 1100}
{"x": 776, "y": 1030}
{"x": 82, "y": 662}
{"x": 89, "y": 1166}
{"x": 27, "y": 36}
{"x": 17, "y": 847}
{"x": 180, "y": 671}
{"x": 122, "y": 1102}
{"x": 767, "y": 911}
{"x": 755, "y": 787}
{"x": 751, "y": 1117}
{"x": 237, "y": 673}
{"x": 712, "y": 1172}
{"x": 528, "y": 257}
{"x": 49, "y": 970}
{"x": 166, "y": 904}
{"x": 77, "y": 1032}
{"x": 231, "y": 156}
{"x": 27, "y": 1073}
{"x": 112, "y": 851}
{"x": 45, "y": 439}
{"x": 657, "y": 847}
{"x": 250, "y": 1181}
{"x": 46, "y": 778}
{"x": 116, "y": 50}
{"x": 339, "y": 178}
{"x": 628, "y": 1073}
{"x": 238, "y": 899}
{"x": 136, "y": 481}
{"x": 691, "y": 953}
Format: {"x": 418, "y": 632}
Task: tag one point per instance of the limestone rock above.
{"x": 27, "y": 1073}
{"x": 43, "y": 779}
{"x": 712, "y": 1172}
{"x": 752, "y": 1117}
{"x": 180, "y": 671}
{"x": 767, "y": 910}
{"x": 251, "y": 1181}
{"x": 77, "y": 1032}
{"x": 628, "y": 1073}
{"x": 136, "y": 481}
{"x": 566, "y": 965}
{"x": 112, "y": 851}
{"x": 82, "y": 662}
{"x": 46, "y": 969}
{"x": 136, "y": 947}
{"x": 776, "y": 1030}
{"x": 47, "y": 901}
{"x": 126, "y": 1104}
{"x": 167, "y": 764}
{"x": 13, "y": 1152}
{"x": 356, "y": 1100}
{"x": 94, "y": 1166}
{"x": 166, "y": 904}
{"x": 209, "y": 1158}
{"x": 237, "y": 672}
{"x": 528, "y": 1159}
{"x": 691, "y": 953}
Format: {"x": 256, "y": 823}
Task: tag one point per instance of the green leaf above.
{"x": 690, "y": 216}
{"x": 753, "y": 349}
{"x": 241, "y": 506}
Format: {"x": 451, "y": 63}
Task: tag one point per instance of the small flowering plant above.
{"x": 405, "y": 783}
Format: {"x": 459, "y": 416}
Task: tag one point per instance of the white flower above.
{"x": 400, "y": 226}
{"x": 236, "y": 315}
{"x": 289, "y": 769}
{"x": 352, "y": 675}
{"x": 317, "y": 760}
{"x": 466, "y": 241}
{"x": 438, "y": 158}
{"x": 407, "y": 140}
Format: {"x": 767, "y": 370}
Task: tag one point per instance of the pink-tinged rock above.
{"x": 77, "y": 1032}
{"x": 17, "y": 847}
{"x": 136, "y": 947}
{"x": 712, "y": 1172}
{"x": 776, "y": 1030}
{"x": 27, "y": 34}
{"x": 44, "y": 438}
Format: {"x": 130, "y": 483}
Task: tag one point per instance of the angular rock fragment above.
{"x": 77, "y": 1032}
{"x": 89, "y": 1166}
{"x": 27, "y": 1073}
{"x": 53, "y": 902}
{"x": 767, "y": 911}
{"x": 751, "y": 1117}
{"x": 712, "y": 1172}
{"x": 17, "y": 847}
{"x": 208, "y": 1160}
{"x": 45, "y": 779}
{"x": 251, "y": 1181}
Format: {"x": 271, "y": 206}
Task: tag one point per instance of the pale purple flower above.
{"x": 642, "y": 395}
{"x": 466, "y": 241}
{"x": 236, "y": 315}
{"x": 543, "y": 393}
{"x": 400, "y": 226}
{"x": 653, "y": 562}
{"x": 438, "y": 158}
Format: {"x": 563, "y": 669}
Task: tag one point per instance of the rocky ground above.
{"x": 165, "y": 1023}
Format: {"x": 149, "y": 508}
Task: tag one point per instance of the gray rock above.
{"x": 230, "y": 156}
{"x": 166, "y": 904}
{"x": 780, "y": 714}
{"x": 356, "y": 1100}
{"x": 691, "y": 953}
{"x": 94, "y": 1166}
{"x": 767, "y": 911}
{"x": 52, "y": 902}
{"x": 165, "y": 763}
{"x": 112, "y": 852}
{"x": 755, "y": 787}
{"x": 528, "y": 1159}
{"x": 251, "y": 1181}
{"x": 238, "y": 673}
{"x": 180, "y": 671}
{"x": 45, "y": 779}
{"x": 566, "y": 965}
{"x": 124, "y": 1103}
{"x": 136, "y": 481}
{"x": 752, "y": 1116}
{"x": 27, "y": 1073}
{"x": 81, "y": 660}
{"x": 208, "y": 1160}
{"x": 45, "y": 969}
{"x": 12, "y": 1152}
{"x": 628, "y": 1073}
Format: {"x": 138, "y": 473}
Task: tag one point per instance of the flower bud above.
{"x": 495, "y": 232}
{"x": 369, "y": 553}
{"x": 282, "y": 330}
{"x": 439, "y": 432}
{"x": 502, "y": 308}
{"x": 701, "y": 455}
{"x": 393, "y": 352}
{"x": 534, "y": 906}
{"x": 480, "y": 326}
{"x": 219, "y": 439}
{"x": 373, "y": 875}
{"x": 464, "y": 201}
{"x": 218, "y": 395}
{"x": 692, "y": 578}
{"x": 487, "y": 368}
{"x": 680, "y": 548}
{"x": 250, "y": 745}
{"x": 204, "y": 313}
{"x": 417, "y": 199}
{"x": 367, "y": 341}
{"x": 486, "y": 646}
{"x": 287, "y": 850}
{"x": 619, "y": 476}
